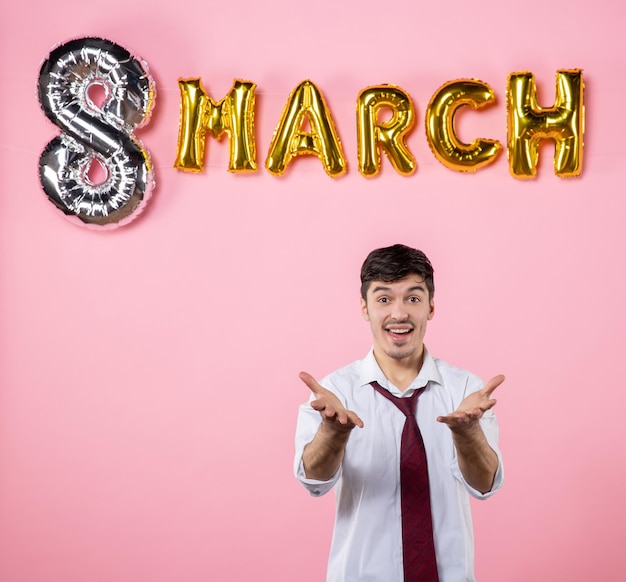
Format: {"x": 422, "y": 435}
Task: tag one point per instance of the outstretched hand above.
{"x": 472, "y": 408}
{"x": 333, "y": 413}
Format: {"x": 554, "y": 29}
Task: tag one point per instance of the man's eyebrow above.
{"x": 410, "y": 289}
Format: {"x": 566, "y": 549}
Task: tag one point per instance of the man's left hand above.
{"x": 472, "y": 408}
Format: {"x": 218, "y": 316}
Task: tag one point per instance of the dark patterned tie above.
{"x": 418, "y": 548}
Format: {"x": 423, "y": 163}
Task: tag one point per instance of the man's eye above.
{"x": 414, "y": 299}
{"x": 383, "y": 299}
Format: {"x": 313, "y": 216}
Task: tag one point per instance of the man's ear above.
{"x": 431, "y": 314}
{"x": 364, "y": 313}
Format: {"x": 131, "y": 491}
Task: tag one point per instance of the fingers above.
{"x": 460, "y": 417}
{"x": 462, "y": 420}
{"x": 311, "y": 382}
{"x": 452, "y": 419}
{"x": 342, "y": 416}
{"x": 354, "y": 419}
{"x": 328, "y": 411}
{"x": 493, "y": 384}
{"x": 464, "y": 416}
{"x": 327, "y": 403}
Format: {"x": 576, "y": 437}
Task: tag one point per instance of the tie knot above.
{"x": 406, "y": 405}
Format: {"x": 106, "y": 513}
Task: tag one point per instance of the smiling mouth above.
{"x": 399, "y": 334}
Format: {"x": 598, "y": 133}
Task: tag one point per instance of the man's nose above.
{"x": 399, "y": 311}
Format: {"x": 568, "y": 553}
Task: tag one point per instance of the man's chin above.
{"x": 400, "y": 353}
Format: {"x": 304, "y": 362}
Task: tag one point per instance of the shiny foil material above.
{"x": 96, "y": 132}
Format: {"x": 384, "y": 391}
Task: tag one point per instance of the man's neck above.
{"x": 400, "y": 372}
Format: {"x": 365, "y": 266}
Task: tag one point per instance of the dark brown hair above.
{"x": 396, "y": 262}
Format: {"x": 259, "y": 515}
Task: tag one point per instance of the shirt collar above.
{"x": 371, "y": 372}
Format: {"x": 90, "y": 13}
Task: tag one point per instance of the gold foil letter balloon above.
{"x": 289, "y": 140}
{"x": 528, "y": 124}
{"x": 233, "y": 115}
{"x": 390, "y": 135}
{"x": 441, "y": 131}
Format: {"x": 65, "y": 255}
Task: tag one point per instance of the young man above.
{"x": 354, "y": 436}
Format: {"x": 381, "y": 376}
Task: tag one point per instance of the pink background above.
{"x": 148, "y": 376}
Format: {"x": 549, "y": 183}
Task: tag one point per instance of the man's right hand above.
{"x": 322, "y": 457}
{"x": 333, "y": 413}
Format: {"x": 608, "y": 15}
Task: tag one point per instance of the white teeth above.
{"x": 399, "y": 330}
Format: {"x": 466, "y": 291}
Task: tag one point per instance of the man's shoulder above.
{"x": 348, "y": 373}
{"x": 455, "y": 374}
{"x": 451, "y": 368}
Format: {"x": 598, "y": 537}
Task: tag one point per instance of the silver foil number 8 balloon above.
{"x": 98, "y": 94}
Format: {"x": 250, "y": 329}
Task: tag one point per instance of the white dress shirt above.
{"x": 367, "y": 538}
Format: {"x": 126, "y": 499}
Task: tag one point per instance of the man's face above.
{"x": 398, "y": 313}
